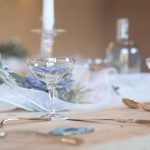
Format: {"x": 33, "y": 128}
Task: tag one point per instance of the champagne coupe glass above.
{"x": 51, "y": 71}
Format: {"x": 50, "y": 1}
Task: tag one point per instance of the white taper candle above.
{"x": 48, "y": 17}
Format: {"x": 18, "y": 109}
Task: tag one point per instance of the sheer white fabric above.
{"x": 99, "y": 85}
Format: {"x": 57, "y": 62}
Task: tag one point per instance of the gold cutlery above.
{"x": 146, "y": 108}
{"x": 90, "y": 120}
{"x": 3, "y": 122}
{"x": 83, "y": 120}
{"x": 137, "y": 121}
{"x": 51, "y": 138}
{"x": 130, "y": 103}
{"x": 133, "y": 104}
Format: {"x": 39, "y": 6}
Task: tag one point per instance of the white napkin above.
{"x": 134, "y": 86}
{"x": 41, "y": 98}
{"x": 101, "y": 93}
{"x": 6, "y": 106}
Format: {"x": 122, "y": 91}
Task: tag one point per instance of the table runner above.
{"x": 106, "y": 132}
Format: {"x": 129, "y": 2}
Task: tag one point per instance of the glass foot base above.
{"x": 54, "y": 116}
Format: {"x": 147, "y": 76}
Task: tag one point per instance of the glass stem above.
{"x": 51, "y": 92}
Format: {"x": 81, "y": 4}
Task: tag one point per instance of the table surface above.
{"x": 107, "y": 134}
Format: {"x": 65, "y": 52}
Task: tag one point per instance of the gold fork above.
{"x": 3, "y": 122}
{"x": 57, "y": 139}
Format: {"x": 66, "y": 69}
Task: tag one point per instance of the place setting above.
{"x": 53, "y": 72}
{"x": 50, "y": 74}
{"x": 66, "y": 83}
{"x": 57, "y": 84}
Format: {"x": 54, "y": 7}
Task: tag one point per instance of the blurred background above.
{"x": 90, "y": 25}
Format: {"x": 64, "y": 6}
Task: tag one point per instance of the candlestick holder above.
{"x": 47, "y": 40}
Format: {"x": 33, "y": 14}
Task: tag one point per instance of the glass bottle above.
{"x": 124, "y": 54}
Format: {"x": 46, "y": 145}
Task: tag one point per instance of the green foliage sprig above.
{"x": 12, "y": 48}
